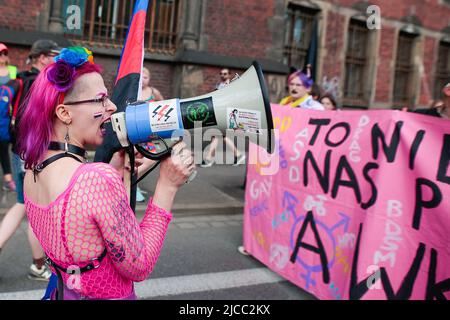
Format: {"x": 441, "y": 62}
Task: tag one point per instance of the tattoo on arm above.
{"x": 117, "y": 252}
{"x": 126, "y": 229}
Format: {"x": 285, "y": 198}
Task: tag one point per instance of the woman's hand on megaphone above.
{"x": 141, "y": 164}
{"x": 174, "y": 172}
{"x": 176, "y": 169}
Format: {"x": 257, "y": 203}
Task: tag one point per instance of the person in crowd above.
{"x": 328, "y": 102}
{"x": 239, "y": 157}
{"x": 299, "y": 86}
{"x": 80, "y": 211}
{"x": 7, "y": 72}
{"x": 41, "y": 55}
{"x": 225, "y": 78}
{"x": 316, "y": 92}
{"x": 148, "y": 92}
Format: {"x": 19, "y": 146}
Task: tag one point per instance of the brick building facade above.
{"x": 402, "y": 63}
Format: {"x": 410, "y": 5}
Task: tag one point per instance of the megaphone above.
{"x": 242, "y": 107}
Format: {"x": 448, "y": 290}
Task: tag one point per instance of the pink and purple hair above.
{"x": 306, "y": 81}
{"x": 36, "y": 124}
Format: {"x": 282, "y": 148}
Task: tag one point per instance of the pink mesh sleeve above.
{"x": 134, "y": 248}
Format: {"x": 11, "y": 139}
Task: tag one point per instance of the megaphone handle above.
{"x": 155, "y": 156}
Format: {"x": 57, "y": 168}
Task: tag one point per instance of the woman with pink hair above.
{"x": 80, "y": 211}
{"x": 299, "y": 86}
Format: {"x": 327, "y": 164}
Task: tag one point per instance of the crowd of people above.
{"x": 41, "y": 55}
{"x": 50, "y": 115}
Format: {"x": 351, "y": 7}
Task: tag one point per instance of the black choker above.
{"x": 67, "y": 147}
{"x": 70, "y": 151}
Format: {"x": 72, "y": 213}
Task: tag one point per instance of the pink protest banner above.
{"x": 353, "y": 204}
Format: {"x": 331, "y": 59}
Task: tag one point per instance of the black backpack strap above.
{"x": 17, "y": 101}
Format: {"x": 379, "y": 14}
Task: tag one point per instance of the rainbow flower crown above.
{"x": 62, "y": 73}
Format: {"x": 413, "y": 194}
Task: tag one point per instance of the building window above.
{"x": 300, "y": 24}
{"x": 356, "y": 65}
{"x": 404, "y": 69}
{"x": 443, "y": 69}
{"x": 106, "y": 22}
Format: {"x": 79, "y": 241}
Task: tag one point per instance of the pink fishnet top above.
{"x": 91, "y": 214}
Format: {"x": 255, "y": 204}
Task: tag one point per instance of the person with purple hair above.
{"x": 299, "y": 86}
{"x": 80, "y": 211}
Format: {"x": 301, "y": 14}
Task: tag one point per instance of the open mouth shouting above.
{"x": 103, "y": 126}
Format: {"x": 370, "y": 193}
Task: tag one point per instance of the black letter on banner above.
{"x": 445, "y": 160}
{"x": 324, "y": 179}
{"x": 421, "y": 203}
{"x": 369, "y": 166}
{"x": 415, "y": 147}
{"x": 318, "y": 123}
{"x": 435, "y": 290}
{"x": 320, "y": 250}
{"x": 346, "y": 127}
{"x": 391, "y": 150}
{"x": 357, "y": 290}
{"x": 352, "y": 183}
{"x": 407, "y": 285}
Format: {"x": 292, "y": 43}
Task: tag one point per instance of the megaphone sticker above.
{"x": 201, "y": 110}
{"x": 165, "y": 116}
{"x": 244, "y": 120}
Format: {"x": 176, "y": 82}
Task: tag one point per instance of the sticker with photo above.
{"x": 244, "y": 119}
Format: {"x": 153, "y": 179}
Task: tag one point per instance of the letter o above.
{"x": 346, "y": 127}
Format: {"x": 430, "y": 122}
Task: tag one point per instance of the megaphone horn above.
{"x": 242, "y": 106}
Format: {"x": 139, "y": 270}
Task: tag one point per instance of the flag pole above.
{"x": 126, "y": 90}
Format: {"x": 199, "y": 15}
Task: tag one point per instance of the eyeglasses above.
{"x": 103, "y": 99}
{"x": 4, "y": 53}
{"x": 223, "y": 74}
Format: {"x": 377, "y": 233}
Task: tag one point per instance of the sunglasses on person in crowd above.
{"x": 4, "y": 53}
